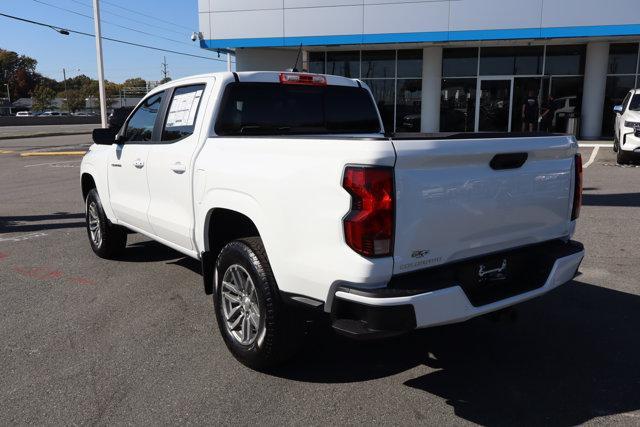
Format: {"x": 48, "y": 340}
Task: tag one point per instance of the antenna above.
{"x": 295, "y": 66}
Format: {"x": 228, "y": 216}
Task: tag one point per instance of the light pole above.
{"x": 9, "y": 98}
{"x": 66, "y": 96}
{"x": 101, "y": 88}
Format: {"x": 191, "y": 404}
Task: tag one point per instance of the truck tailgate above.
{"x": 453, "y": 204}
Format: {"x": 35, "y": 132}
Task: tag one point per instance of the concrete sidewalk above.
{"x": 11, "y": 132}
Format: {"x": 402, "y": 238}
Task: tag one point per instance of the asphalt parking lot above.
{"x": 89, "y": 341}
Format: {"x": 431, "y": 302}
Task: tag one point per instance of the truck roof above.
{"x": 262, "y": 77}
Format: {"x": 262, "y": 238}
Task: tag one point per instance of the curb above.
{"x": 52, "y": 153}
{"x": 43, "y": 135}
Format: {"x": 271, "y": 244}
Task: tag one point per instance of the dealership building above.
{"x": 448, "y": 65}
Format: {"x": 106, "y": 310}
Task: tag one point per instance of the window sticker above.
{"x": 182, "y": 111}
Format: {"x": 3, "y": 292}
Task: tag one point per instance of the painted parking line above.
{"x": 53, "y": 153}
{"x": 592, "y": 158}
{"x": 586, "y": 145}
{"x": 23, "y": 237}
{"x": 6, "y": 152}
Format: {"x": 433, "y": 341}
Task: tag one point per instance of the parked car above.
{"x": 297, "y": 205}
{"x": 626, "y": 142}
{"x": 23, "y": 114}
{"x": 49, "y": 114}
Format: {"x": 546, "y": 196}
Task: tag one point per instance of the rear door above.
{"x": 127, "y": 171}
{"x": 452, "y": 204}
{"x": 170, "y": 160}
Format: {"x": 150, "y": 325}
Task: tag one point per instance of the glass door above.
{"x": 494, "y": 105}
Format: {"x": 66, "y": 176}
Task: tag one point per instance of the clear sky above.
{"x": 76, "y": 53}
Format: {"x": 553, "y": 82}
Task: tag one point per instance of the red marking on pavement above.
{"x": 3, "y": 256}
{"x": 81, "y": 281}
{"x": 39, "y": 273}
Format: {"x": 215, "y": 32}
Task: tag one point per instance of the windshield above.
{"x": 634, "y": 105}
{"x": 281, "y": 109}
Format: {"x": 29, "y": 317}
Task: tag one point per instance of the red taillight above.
{"x": 577, "y": 189}
{"x": 303, "y": 79}
{"x": 368, "y": 228}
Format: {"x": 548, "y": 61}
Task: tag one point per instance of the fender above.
{"x": 243, "y": 203}
{"x": 99, "y": 177}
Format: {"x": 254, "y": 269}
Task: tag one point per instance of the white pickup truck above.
{"x": 287, "y": 189}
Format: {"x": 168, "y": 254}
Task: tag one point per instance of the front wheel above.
{"x": 616, "y": 144}
{"x": 254, "y": 323}
{"x": 107, "y": 240}
{"x": 622, "y": 157}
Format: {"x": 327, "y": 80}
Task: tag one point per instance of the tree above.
{"x": 137, "y": 82}
{"x": 74, "y": 100}
{"x": 19, "y": 72}
{"x": 42, "y": 97}
{"x": 165, "y": 80}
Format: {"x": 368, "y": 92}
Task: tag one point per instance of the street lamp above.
{"x": 9, "y": 98}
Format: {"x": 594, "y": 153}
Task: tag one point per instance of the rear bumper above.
{"x": 371, "y": 314}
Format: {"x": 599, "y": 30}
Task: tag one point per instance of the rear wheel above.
{"x": 107, "y": 240}
{"x": 256, "y": 326}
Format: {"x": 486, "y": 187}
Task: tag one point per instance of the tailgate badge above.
{"x": 493, "y": 274}
{"x": 419, "y": 254}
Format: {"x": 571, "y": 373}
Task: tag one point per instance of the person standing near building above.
{"x": 529, "y": 112}
{"x": 546, "y": 117}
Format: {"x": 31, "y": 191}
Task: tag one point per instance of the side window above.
{"x": 140, "y": 125}
{"x": 182, "y": 113}
{"x": 625, "y": 102}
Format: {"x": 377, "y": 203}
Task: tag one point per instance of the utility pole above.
{"x": 64, "y": 77}
{"x": 164, "y": 68}
{"x": 228, "y": 61}
{"x": 103, "y": 93}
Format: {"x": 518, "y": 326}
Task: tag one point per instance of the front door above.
{"x": 127, "y": 167}
{"x": 494, "y": 105}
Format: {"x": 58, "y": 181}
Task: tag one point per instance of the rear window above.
{"x": 281, "y": 109}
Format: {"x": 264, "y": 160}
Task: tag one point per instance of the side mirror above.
{"x": 104, "y": 136}
{"x": 618, "y": 109}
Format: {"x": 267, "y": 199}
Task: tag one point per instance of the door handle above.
{"x": 138, "y": 163}
{"x": 178, "y": 167}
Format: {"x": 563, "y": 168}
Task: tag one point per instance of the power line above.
{"x": 145, "y": 15}
{"x": 137, "y": 21}
{"x": 111, "y": 23}
{"x": 61, "y": 29}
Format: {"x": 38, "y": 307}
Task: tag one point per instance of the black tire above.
{"x": 281, "y": 331}
{"x": 622, "y": 158}
{"x": 616, "y": 144}
{"x": 113, "y": 238}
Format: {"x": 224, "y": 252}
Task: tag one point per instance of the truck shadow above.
{"x": 572, "y": 356}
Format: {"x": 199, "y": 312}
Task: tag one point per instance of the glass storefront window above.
{"x": 623, "y": 58}
{"x": 506, "y": 61}
{"x": 379, "y": 64}
{"x": 383, "y": 91}
{"x": 316, "y": 62}
{"x": 460, "y": 62}
{"x": 410, "y": 63}
{"x": 617, "y": 89}
{"x": 565, "y": 60}
{"x": 408, "y": 105}
{"x": 346, "y": 64}
{"x": 567, "y": 100}
{"x": 458, "y": 105}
